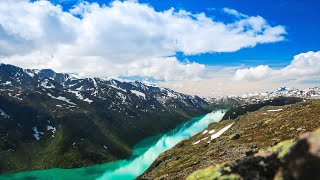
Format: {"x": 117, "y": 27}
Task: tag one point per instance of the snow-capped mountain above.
{"x": 251, "y": 98}
{"x": 119, "y": 93}
{"x": 81, "y": 116}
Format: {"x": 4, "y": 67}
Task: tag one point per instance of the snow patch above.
{"x": 197, "y": 142}
{"x": 212, "y": 131}
{"x": 37, "y": 134}
{"x": 4, "y": 114}
{"x": 7, "y": 83}
{"x": 122, "y": 96}
{"x": 79, "y": 88}
{"x": 138, "y": 93}
{"x": 46, "y": 84}
{"x": 205, "y": 131}
{"x": 52, "y": 129}
{"x": 204, "y": 138}
{"x": 61, "y": 98}
{"x": 115, "y": 87}
{"x": 219, "y": 133}
{"x": 274, "y": 110}
{"x": 80, "y": 96}
{"x": 30, "y": 74}
{"x": 95, "y": 87}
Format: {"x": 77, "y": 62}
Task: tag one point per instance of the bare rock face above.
{"x": 287, "y": 160}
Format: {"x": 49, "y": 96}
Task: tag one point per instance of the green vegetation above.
{"x": 237, "y": 110}
{"x": 281, "y": 148}
{"x": 216, "y": 172}
{"x": 261, "y": 131}
{"x": 85, "y": 135}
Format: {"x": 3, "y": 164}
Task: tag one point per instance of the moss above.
{"x": 275, "y": 129}
{"x": 230, "y": 177}
{"x": 214, "y": 172}
{"x": 281, "y": 148}
{"x": 227, "y": 169}
{"x": 211, "y": 172}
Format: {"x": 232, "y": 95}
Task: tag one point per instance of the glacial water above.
{"x": 144, "y": 153}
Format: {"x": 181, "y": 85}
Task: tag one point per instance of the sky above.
{"x": 212, "y": 48}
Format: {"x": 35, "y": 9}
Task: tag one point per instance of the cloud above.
{"x": 122, "y": 38}
{"x": 302, "y": 72}
{"x": 253, "y": 73}
{"x": 234, "y": 12}
{"x": 303, "y": 65}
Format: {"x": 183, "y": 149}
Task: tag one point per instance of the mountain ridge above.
{"x": 257, "y": 97}
{"x": 73, "y": 122}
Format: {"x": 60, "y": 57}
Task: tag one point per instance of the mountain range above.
{"x": 50, "y": 119}
{"x": 257, "y": 97}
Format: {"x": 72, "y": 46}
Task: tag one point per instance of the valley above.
{"x": 57, "y": 120}
{"x": 247, "y": 135}
{"x": 159, "y": 90}
{"x": 143, "y": 155}
{"x": 93, "y": 128}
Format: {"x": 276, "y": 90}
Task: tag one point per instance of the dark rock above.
{"x": 250, "y": 152}
{"x": 274, "y": 143}
{"x": 195, "y": 163}
{"x": 180, "y": 144}
{"x": 303, "y": 160}
{"x": 222, "y": 153}
{"x": 235, "y": 136}
{"x": 253, "y": 167}
{"x": 205, "y": 145}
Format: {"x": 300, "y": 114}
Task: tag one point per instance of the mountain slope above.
{"x": 291, "y": 159}
{"x": 50, "y": 119}
{"x": 243, "y": 136}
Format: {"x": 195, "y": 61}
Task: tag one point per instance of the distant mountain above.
{"x": 50, "y": 119}
{"x": 252, "y": 98}
{"x": 249, "y": 102}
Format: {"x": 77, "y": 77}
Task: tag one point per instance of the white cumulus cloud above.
{"x": 122, "y": 38}
{"x": 253, "y": 73}
{"x": 305, "y": 64}
{"x": 302, "y": 66}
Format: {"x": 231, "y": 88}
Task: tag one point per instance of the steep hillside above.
{"x": 241, "y": 109}
{"x": 229, "y": 140}
{"x": 50, "y": 119}
{"x": 290, "y": 159}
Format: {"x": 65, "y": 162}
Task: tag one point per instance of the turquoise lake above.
{"x": 144, "y": 153}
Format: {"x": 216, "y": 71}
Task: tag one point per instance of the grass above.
{"x": 258, "y": 130}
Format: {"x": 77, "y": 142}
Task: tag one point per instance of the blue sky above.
{"x": 205, "y": 47}
{"x": 300, "y": 18}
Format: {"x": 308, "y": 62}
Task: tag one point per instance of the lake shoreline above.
{"x": 143, "y": 155}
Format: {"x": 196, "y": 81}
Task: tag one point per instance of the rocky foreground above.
{"x": 271, "y": 143}
{"x": 289, "y": 159}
